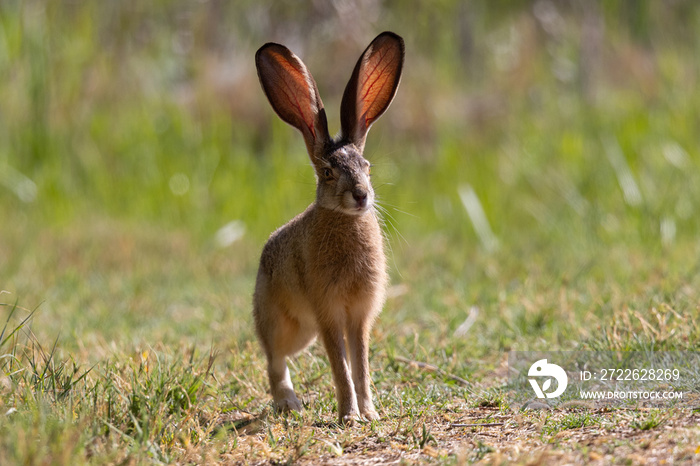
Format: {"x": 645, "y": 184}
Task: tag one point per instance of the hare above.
{"x": 324, "y": 272}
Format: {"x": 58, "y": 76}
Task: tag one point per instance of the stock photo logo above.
{"x": 548, "y": 371}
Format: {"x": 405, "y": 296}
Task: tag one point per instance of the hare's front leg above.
{"x": 334, "y": 341}
{"x": 358, "y": 342}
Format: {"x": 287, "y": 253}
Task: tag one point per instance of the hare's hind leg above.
{"x": 281, "y": 384}
{"x": 281, "y": 336}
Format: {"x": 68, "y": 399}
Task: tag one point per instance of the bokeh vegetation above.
{"x": 540, "y": 162}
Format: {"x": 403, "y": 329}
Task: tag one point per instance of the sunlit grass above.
{"x": 161, "y": 360}
{"x": 141, "y": 171}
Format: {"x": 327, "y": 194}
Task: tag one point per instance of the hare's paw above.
{"x": 348, "y": 419}
{"x": 288, "y": 402}
{"x": 367, "y": 408}
{"x": 370, "y": 414}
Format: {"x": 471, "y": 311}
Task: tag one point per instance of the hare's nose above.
{"x": 360, "y": 196}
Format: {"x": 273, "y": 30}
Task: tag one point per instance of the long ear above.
{"x": 292, "y": 92}
{"x": 372, "y": 86}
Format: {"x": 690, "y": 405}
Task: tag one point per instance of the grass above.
{"x": 122, "y": 156}
{"x": 570, "y": 421}
{"x": 177, "y": 376}
{"x": 651, "y": 421}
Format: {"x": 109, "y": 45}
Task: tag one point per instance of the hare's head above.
{"x": 342, "y": 173}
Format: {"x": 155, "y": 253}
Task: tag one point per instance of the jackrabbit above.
{"x": 324, "y": 272}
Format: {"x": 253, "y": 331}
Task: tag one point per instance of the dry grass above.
{"x": 539, "y": 176}
{"x": 182, "y": 383}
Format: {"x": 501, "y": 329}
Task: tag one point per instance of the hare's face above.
{"x": 342, "y": 172}
{"x": 344, "y": 182}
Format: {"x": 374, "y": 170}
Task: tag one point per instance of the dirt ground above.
{"x": 487, "y": 435}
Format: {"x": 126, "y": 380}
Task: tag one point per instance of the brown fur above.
{"x": 324, "y": 272}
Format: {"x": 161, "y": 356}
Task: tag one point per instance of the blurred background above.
{"x": 525, "y": 129}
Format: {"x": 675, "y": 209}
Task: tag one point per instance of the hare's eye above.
{"x": 328, "y": 173}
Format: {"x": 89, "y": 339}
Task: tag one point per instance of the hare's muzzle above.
{"x": 361, "y": 198}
